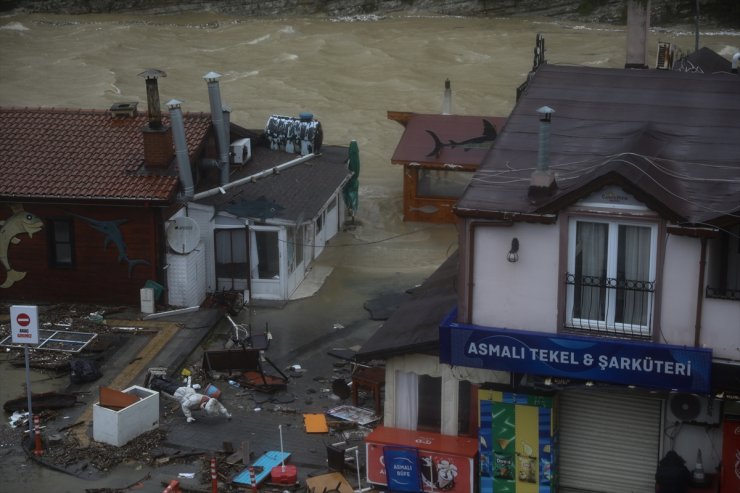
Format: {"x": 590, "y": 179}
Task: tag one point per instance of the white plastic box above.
{"x": 120, "y": 427}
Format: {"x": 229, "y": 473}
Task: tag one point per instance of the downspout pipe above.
{"x": 181, "y": 148}
{"x": 700, "y": 292}
{"x": 217, "y": 116}
{"x": 271, "y": 171}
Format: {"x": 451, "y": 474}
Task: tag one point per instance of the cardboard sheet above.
{"x": 328, "y": 482}
{"x": 315, "y": 423}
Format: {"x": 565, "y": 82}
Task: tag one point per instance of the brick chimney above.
{"x": 158, "y": 143}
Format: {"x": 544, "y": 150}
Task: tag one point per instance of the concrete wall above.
{"x": 720, "y": 319}
{"x": 522, "y": 294}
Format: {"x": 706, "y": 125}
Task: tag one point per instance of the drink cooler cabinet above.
{"x": 445, "y": 463}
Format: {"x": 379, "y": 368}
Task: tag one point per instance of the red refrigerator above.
{"x": 731, "y": 455}
{"x": 441, "y": 462}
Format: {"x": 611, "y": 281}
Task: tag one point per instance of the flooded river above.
{"x": 347, "y": 72}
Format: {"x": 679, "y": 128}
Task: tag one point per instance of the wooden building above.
{"x": 83, "y": 200}
{"x": 439, "y": 154}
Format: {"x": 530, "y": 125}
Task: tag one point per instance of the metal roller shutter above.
{"x": 609, "y": 442}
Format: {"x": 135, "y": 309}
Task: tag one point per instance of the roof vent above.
{"x": 123, "y": 110}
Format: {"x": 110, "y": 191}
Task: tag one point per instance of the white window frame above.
{"x": 609, "y": 325}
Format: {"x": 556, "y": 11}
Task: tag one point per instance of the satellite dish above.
{"x": 183, "y": 235}
{"x": 685, "y": 407}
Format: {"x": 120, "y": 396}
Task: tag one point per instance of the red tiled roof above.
{"x": 83, "y": 155}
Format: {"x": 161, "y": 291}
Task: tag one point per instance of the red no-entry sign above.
{"x": 24, "y": 324}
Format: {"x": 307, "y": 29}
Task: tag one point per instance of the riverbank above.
{"x": 721, "y": 13}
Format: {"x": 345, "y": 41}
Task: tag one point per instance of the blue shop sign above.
{"x": 659, "y": 366}
{"x": 402, "y": 468}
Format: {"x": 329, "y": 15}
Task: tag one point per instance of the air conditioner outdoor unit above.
{"x": 692, "y": 408}
{"x": 241, "y": 151}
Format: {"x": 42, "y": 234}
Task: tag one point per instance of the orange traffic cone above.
{"x": 173, "y": 487}
{"x": 39, "y": 450}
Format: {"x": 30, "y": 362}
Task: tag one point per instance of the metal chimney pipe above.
{"x": 152, "y": 96}
{"x": 544, "y": 138}
{"x": 217, "y": 116}
{"x": 542, "y": 180}
{"x": 447, "y": 99}
{"x": 227, "y": 125}
{"x": 181, "y": 148}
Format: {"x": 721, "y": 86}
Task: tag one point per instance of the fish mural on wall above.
{"x": 20, "y": 222}
{"x": 483, "y": 141}
{"x": 113, "y": 234}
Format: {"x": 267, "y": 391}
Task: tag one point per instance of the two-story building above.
{"x": 597, "y": 316}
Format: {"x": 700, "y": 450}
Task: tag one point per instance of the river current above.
{"x": 348, "y": 72}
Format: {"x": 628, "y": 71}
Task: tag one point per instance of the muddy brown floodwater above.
{"x": 347, "y": 72}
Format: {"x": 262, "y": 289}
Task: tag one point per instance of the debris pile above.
{"x": 65, "y": 451}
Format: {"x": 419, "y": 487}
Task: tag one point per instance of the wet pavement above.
{"x": 339, "y": 313}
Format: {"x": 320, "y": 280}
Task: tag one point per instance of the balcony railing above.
{"x": 723, "y": 293}
{"x": 609, "y": 306}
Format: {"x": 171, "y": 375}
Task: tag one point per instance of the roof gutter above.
{"x": 252, "y": 178}
{"x": 507, "y": 216}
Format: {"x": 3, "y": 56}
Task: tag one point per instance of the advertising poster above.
{"x": 515, "y": 446}
{"x": 731, "y": 455}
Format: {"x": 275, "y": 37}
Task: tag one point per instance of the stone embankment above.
{"x": 663, "y": 12}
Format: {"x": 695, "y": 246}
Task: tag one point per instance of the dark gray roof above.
{"x": 705, "y": 61}
{"x": 670, "y": 138}
{"x": 414, "y": 326}
{"x": 296, "y": 193}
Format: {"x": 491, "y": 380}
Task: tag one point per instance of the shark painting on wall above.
{"x": 113, "y": 234}
{"x": 20, "y": 222}
{"x": 482, "y": 141}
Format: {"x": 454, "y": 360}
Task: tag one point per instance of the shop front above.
{"x": 601, "y": 427}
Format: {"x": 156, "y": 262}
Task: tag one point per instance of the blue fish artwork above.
{"x": 113, "y": 234}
